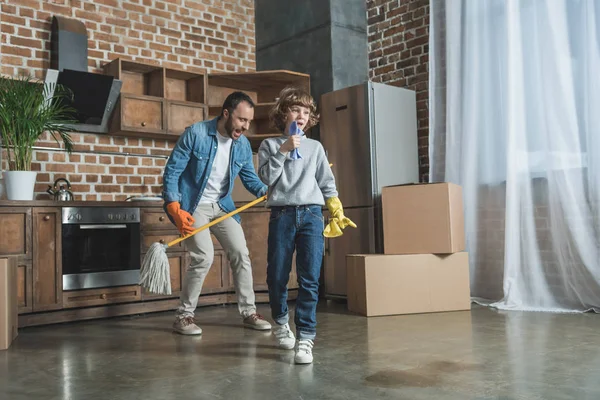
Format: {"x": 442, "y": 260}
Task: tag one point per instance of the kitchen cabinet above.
{"x": 34, "y": 233}
{"x": 15, "y": 231}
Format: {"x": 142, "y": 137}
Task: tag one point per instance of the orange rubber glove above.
{"x": 338, "y": 220}
{"x": 183, "y": 219}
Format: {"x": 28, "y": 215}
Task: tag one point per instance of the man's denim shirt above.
{"x": 190, "y": 163}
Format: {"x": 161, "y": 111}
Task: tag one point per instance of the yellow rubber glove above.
{"x": 338, "y": 220}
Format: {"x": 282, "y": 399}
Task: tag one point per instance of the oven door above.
{"x": 100, "y": 255}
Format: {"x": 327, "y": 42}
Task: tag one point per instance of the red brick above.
{"x": 160, "y": 14}
{"x": 12, "y": 60}
{"x": 56, "y": 9}
{"x": 107, "y": 188}
{"x": 110, "y": 3}
{"x": 60, "y": 167}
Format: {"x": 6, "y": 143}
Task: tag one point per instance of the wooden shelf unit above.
{"x": 155, "y": 101}
{"x": 160, "y": 102}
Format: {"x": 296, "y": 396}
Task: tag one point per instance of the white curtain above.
{"x": 515, "y": 120}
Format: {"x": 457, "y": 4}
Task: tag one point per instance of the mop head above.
{"x": 155, "y": 270}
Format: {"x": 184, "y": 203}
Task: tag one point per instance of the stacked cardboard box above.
{"x": 8, "y": 302}
{"x": 424, "y": 267}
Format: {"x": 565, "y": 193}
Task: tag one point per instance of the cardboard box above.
{"x": 380, "y": 284}
{"x": 423, "y": 219}
{"x": 239, "y": 192}
{"x": 8, "y": 302}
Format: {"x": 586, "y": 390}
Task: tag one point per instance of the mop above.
{"x": 155, "y": 270}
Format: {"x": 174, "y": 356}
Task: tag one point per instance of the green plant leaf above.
{"x": 29, "y": 108}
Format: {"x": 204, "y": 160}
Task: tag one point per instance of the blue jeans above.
{"x": 297, "y": 228}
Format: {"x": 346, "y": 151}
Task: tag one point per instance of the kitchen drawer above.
{"x": 149, "y": 238}
{"x": 156, "y": 219}
{"x": 99, "y": 297}
{"x": 142, "y": 113}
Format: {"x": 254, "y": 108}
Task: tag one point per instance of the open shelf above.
{"x": 261, "y": 110}
{"x": 159, "y": 102}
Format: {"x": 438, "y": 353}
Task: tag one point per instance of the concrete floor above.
{"x": 482, "y": 354}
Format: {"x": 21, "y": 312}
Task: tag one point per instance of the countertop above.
{"x": 52, "y": 203}
{"x": 82, "y": 203}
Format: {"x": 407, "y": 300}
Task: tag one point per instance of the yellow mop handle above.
{"x": 216, "y": 221}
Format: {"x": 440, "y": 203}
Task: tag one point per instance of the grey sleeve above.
{"x": 270, "y": 166}
{"x": 325, "y": 177}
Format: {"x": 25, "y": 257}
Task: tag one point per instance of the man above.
{"x": 197, "y": 181}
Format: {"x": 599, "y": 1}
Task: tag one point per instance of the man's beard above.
{"x": 229, "y": 128}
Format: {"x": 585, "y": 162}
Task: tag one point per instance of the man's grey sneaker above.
{"x": 256, "y": 321}
{"x": 186, "y": 326}
{"x": 285, "y": 337}
{"x": 304, "y": 352}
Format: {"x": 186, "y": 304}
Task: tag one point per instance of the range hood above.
{"x": 94, "y": 95}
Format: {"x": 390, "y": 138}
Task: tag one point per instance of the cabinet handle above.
{"x": 161, "y": 219}
{"x": 47, "y": 218}
{"x": 103, "y": 296}
{"x": 143, "y": 124}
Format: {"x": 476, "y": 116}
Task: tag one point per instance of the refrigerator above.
{"x": 369, "y": 132}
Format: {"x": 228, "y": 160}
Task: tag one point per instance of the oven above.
{"x": 100, "y": 247}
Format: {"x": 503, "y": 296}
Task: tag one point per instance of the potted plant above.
{"x": 28, "y": 109}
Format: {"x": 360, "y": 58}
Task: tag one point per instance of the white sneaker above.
{"x": 304, "y": 352}
{"x": 186, "y": 326}
{"x": 284, "y": 336}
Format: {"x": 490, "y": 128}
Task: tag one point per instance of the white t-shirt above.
{"x": 219, "y": 174}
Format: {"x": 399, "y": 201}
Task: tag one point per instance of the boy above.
{"x": 300, "y": 182}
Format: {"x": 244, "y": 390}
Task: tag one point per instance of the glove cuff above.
{"x": 334, "y": 205}
{"x": 173, "y": 207}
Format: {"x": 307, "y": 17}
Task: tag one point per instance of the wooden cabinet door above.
{"x": 47, "y": 259}
{"x": 181, "y": 114}
{"x": 24, "y": 287}
{"x": 15, "y": 232}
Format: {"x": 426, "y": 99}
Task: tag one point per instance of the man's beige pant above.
{"x": 231, "y": 236}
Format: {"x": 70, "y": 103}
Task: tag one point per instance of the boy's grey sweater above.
{"x": 305, "y": 181}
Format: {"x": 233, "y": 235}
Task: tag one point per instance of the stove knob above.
{"x": 78, "y": 217}
{"x": 110, "y": 217}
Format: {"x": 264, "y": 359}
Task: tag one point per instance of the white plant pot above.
{"x": 19, "y": 185}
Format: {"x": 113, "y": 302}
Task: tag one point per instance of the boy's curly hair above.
{"x": 289, "y": 97}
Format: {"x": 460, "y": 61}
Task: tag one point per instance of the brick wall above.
{"x": 197, "y": 35}
{"x": 398, "y": 34}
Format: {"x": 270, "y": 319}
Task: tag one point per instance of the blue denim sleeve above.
{"x": 176, "y": 165}
{"x": 249, "y": 178}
